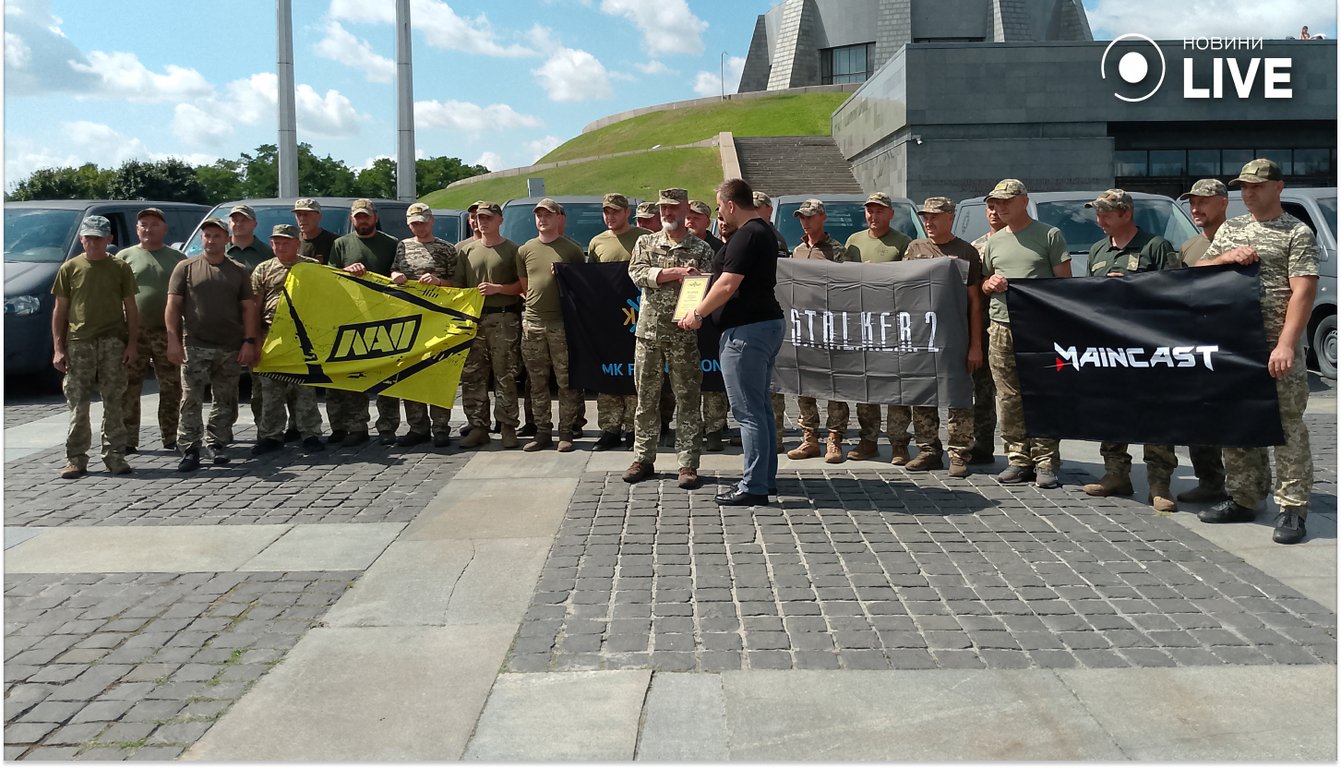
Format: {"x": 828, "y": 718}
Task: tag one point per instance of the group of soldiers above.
{"x": 199, "y": 322}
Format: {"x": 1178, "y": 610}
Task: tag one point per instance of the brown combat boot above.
{"x": 809, "y": 447}
{"x": 900, "y": 451}
{"x": 958, "y": 467}
{"x": 866, "y": 449}
{"x": 477, "y": 437}
{"x": 1109, "y": 485}
{"x": 508, "y": 436}
{"x": 566, "y": 444}
{"x": 1161, "y": 498}
{"x": 117, "y": 465}
{"x": 689, "y": 479}
{"x": 833, "y": 453}
{"x": 638, "y": 471}
{"x": 925, "y": 461}
{"x": 72, "y": 471}
{"x": 544, "y": 438}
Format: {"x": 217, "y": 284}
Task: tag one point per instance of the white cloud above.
{"x": 490, "y": 160}
{"x": 254, "y": 100}
{"x": 469, "y": 118}
{"x": 1162, "y": 20}
{"x": 341, "y": 46}
{"x": 123, "y": 76}
{"x": 440, "y": 25}
{"x": 667, "y": 26}
{"x": 541, "y": 147}
{"x": 361, "y": 11}
{"x": 17, "y": 52}
{"x": 81, "y": 142}
{"x": 195, "y": 126}
{"x": 331, "y": 114}
{"x": 710, "y": 83}
{"x": 573, "y": 75}
{"x": 38, "y": 55}
{"x": 653, "y": 67}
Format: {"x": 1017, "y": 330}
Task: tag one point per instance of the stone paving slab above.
{"x": 365, "y": 694}
{"x": 498, "y": 508}
{"x": 684, "y": 718}
{"x": 131, "y": 549}
{"x": 117, "y": 666}
{"x": 330, "y": 547}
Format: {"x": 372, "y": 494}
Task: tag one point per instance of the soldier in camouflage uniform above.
{"x": 210, "y": 299}
{"x": 1288, "y": 253}
{"x": 491, "y": 266}
{"x": 93, "y": 331}
{"x": 614, "y": 413}
{"x": 430, "y": 260}
{"x": 660, "y": 261}
{"x": 278, "y": 397}
{"x": 151, "y": 262}
{"x": 984, "y": 390}
{"x": 1140, "y": 251}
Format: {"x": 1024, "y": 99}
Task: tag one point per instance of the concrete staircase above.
{"x": 792, "y": 165}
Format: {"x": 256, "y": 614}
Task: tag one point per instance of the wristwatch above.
{"x": 697, "y": 316}
{"x": 249, "y": 340}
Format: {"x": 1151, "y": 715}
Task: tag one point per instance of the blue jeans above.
{"x": 746, "y": 354}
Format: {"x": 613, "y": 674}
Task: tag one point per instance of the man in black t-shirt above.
{"x": 741, "y": 301}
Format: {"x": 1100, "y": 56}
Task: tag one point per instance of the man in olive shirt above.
{"x": 473, "y": 236}
{"x": 614, "y": 413}
{"x": 984, "y": 389}
{"x": 243, "y": 246}
{"x": 491, "y": 266}
{"x": 316, "y": 241}
{"x": 543, "y": 344}
{"x": 1023, "y": 249}
{"x": 359, "y": 252}
{"x": 1128, "y": 250}
{"x": 93, "y": 330}
{"x": 210, "y": 298}
{"x": 877, "y": 244}
{"x": 152, "y": 263}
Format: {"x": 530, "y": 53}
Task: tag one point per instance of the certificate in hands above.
{"x": 692, "y": 290}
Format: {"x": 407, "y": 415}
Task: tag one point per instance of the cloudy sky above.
{"x": 498, "y": 83}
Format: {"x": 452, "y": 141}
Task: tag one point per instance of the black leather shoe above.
{"x": 1289, "y": 528}
{"x": 741, "y": 499}
{"x": 190, "y": 462}
{"x": 606, "y": 441}
{"x": 628, "y": 439}
{"x": 337, "y": 436}
{"x": 313, "y": 444}
{"x": 412, "y": 438}
{"x": 291, "y": 435}
{"x": 1227, "y": 511}
{"x": 217, "y": 454}
{"x": 266, "y": 445}
{"x": 442, "y": 439}
{"x": 130, "y": 449}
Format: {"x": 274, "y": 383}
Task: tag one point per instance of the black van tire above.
{"x": 1323, "y": 346}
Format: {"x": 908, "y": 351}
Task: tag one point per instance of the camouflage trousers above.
{"x": 614, "y": 413}
{"x": 153, "y": 349}
{"x": 348, "y": 412}
{"x": 426, "y": 419}
{"x": 1247, "y": 469}
{"x": 1160, "y": 461}
{"x": 283, "y": 402}
{"x": 1040, "y": 452}
{"x": 926, "y": 423}
{"x": 496, "y": 349}
{"x": 984, "y": 410}
{"x": 837, "y": 416}
{"x": 95, "y": 366}
{"x": 715, "y": 408}
{"x": 544, "y": 347}
{"x": 650, "y": 358}
{"x": 217, "y": 370}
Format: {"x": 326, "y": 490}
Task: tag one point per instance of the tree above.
{"x": 378, "y": 180}
{"x": 169, "y": 179}
{"x": 434, "y": 173}
{"x": 220, "y": 181}
{"x": 86, "y": 181}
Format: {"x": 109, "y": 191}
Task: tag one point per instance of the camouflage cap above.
{"x": 698, "y": 206}
{"x": 284, "y": 230}
{"x": 95, "y": 226}
{"x": 363, "y": 205}
{"x": 937, "y": 205}
{"x": 245, "y": 210}
{"x": 1258, "y": 171}
{"x": 474, "y": 206}
{"x": 418, "y": 212}
{"x": 488, "y": 208}
{"x": 1206, "y": 188}
{"x": 549, "y": 204}
{"x": 673, "y": 196}
{"x": 214, "y": 222}
{"x": 761, "y": 199}
{"x": 878, "y": 198}
{"x": 1006, "y": 189}
{"x": 151, "y": 212}
{"x": 811, "y": 207}
{"x": 647, "y": 210}
{"x": 615, "y": 200}
{"x": 306, "y": 204}
{"x": 1111, "y": 200}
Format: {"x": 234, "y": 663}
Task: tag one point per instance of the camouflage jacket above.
{"x": 651, "y": 254}
{"x": 1286, "y": 247}
{"x": 267, "y": 282}
{"x": 437, "y": 258}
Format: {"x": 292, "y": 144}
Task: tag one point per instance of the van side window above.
{"x": 1300, "y": 212}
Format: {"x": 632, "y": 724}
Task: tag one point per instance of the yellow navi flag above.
{"x": 366, "y": 334}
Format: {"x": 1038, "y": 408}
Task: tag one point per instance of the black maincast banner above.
{"x": 600, "y": 311}
{"x": 1176, "y": 357}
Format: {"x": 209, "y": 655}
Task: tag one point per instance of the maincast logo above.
{"x": 1135, "y": 357}
{"x": 1202, "y": 79}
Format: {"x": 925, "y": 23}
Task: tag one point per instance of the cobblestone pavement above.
{"x": 368, "y": 484}
{"x": 880, "y": 568}
{"x": 18, "y": 415}
{"x": 139, "y": 666}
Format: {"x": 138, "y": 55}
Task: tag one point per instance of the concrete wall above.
{"x": 933, "y": 19}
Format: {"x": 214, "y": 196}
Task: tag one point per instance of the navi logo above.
{"x": 631, "y": 312}
{"x": 381, "y": 338}
{"x": 1134, "y": 357}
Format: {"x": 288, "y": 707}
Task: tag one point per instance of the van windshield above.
{"x": 39, "y": 234}
{"x": 1081, "y": 229}
{"x": 584, "y": 222}
{"x": 843, "y": 219}
{"x": 267, "y": 216}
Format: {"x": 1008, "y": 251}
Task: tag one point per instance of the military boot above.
{"x": 900, "y": 451}
{"x": 925, "y": 461}
{"x": 1204, "y": 494}
{"x": 509, "y": 436}
{"x": 1161, "y": 498}
{"x": 1110, "y": 485}
{"x": 809, "y": 447}
{"x": 544, "y": 438}
{"x": 476, "y": 437}
{"x": 566, "y": 443}
{"x": 833, "y": 454}
{"x": 712, "y": 441}
{"x": 866, "y": 449}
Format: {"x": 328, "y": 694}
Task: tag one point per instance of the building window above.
{"x": 1233, "y": 160}
{"x": 1203, "y": 163}
{"x": 1130, "y": 162}
{"x": 1311, "y": 162}
{"x": 849, "y": 64}
{"x": 1167, "y": 162}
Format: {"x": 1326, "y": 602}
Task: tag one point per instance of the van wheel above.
{"x": 1324, "y": 346}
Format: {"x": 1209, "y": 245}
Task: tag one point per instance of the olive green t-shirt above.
{"x": 252, "y": 256}
{"x": 212, "y": 296}
{"x": 888, "y": 247}
{"x": 97, "y": 291}
{"x": 319, "y": 247}
{"x": 152, "y": 270}
{"x": 535, "y": 262}
{"x": 493, "y": 264}
{"x": 608, "y": 247}
{"x": 376, "y": 252}
{"x": 1035, "y": 251}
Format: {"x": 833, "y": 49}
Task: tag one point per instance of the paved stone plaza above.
{"x": 392, "y": 604}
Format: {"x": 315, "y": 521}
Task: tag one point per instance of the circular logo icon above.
{"x": 1134, "y": 66}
